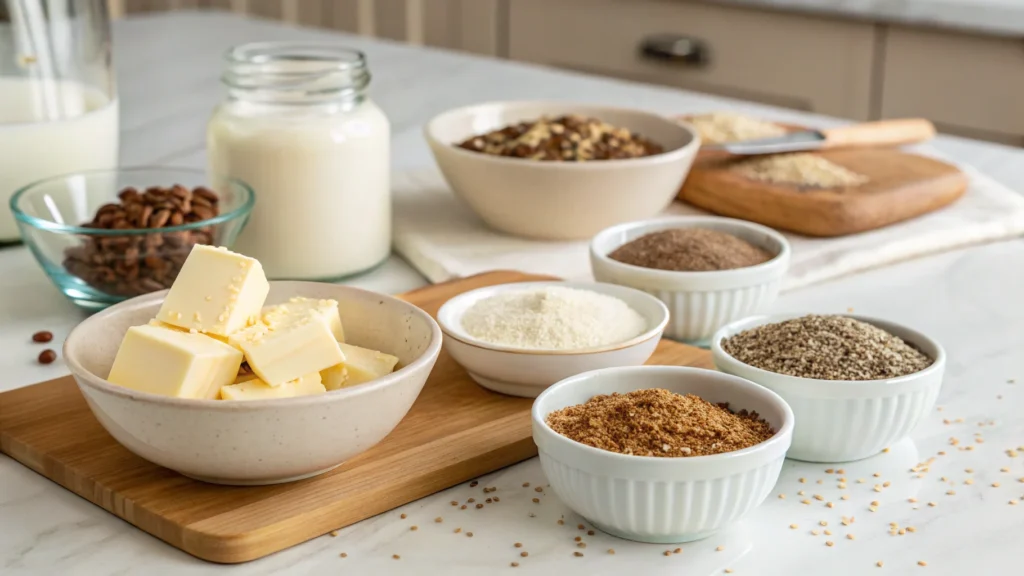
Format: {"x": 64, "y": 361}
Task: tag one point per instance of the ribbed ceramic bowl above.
{"x": 844, "y": 420}
{"x": 699, "y": 302}
{"x": 661, "y": 500}
{"x": 260, "y": 441}
{"x": 527, "y": 372}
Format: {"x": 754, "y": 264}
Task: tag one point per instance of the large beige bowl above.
{"x": 560, "y": 200}
{"x": 264, "y": 441}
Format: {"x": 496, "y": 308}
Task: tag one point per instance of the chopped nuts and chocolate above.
{"x": 826, "y": 348}
{"x": 656, "y": 422}
{"x": 134, "y": 263}
{"x": 690, "y": 250}
{"x": 570, "y": 138}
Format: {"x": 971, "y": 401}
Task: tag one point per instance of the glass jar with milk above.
{"x": 58, "y": 101}
{"x": 298, "y": 127}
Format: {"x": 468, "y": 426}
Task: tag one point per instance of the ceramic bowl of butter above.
{"x": 622, "y": 165}
{"x": 841, "y": 420}
{"x": 523, "y": 343}
{"x": 702, "y": 301}
{"x": 255, "y": 433}
{"x": 662, "y": 499}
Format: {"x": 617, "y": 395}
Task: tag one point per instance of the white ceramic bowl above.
{"x": 661, "y": 500}
{"x": 260, "y": 441}
{"x": 560, "y": 200}
{"x": 524, "y": 372}
{"x": 843, "y": 420}
{"x": 700, "y": 302}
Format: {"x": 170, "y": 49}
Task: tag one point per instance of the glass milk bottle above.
{"x": 58, "y": 101}
{"x": 298, "y": 127}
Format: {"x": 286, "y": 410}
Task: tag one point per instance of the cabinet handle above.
{"x": 675, "y": 48}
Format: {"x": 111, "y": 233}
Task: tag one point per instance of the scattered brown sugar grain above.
{"x": 690, "y": 250}
{"x": 826, "y": 348}
{"x": 656, "y": 422}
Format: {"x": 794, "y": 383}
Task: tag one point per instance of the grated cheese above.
{"x": 722, "y": 127}
{"x": 552, "y": 318}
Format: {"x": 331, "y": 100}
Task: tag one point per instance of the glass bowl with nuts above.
{"x": 106, "y": 236}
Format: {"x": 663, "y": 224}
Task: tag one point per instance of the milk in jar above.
{"x": 298, "y": 128}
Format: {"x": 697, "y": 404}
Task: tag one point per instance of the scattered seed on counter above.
{"x": 47, "y": 356}
{"x": 922, "y": 563}
{"x": 469, "y": 534}
{"x": 581, "y": 544}
{"x": 581, "y": 527}
{"x": 667, "y": 553}
{"x": 827, "y": 533}
{"x": 42, "y": 336}
{"x": 720, "y": 548}
{"x": 463, "y": 507}
{"x": 403, "y": 516}
{"x": 819, "y": 497}
{"x": 343, "y": 555}
{"x": 474, "y": 484}
{"x": 805, "y": 501}
{"x": 793, "y": 526}
{"x": 536, "y": 500}
{"x": 932, "y": 504}
{"x": 457, "y": 530}
{"x": 801, "y": 493}
{"x": 611, "y": 551}
{"x": 829, "y": 543}
{"x": 803, "y": 480}
{"x": 515, "y": 564}
{"x": 561, "y": 522}
{"x": 479, "y": 506}
{"x": 879, "y": 563}
{"x": 470, "y": 501}
{"x": 438, "y": 520}
{"x": 414, "y": 528}
{"x": 844, "y": 497}
{"x": 454, "y": 503}
{"x": 396, "y": 556}
{"x": 850, "y": 537}
{"x": 578, "y": 554}
{"x": 782, "y": 496}
{"x": 590, "y": 532}
{"x": 578, "y": 539}
{"x": 524, "y": 553}
{"x": 333, "y": 533}
{"x": 815, "y": 532}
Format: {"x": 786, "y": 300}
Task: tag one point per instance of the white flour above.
{"x": 553, "y": 318}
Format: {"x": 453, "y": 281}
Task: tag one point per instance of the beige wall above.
{"x": 470, "y": 25}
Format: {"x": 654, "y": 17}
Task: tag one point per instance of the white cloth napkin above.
{"x": 443, "y": 239}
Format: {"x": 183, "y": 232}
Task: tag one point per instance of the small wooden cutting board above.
{"x": 902, "y": 186}
{"x": 454, "y": 432}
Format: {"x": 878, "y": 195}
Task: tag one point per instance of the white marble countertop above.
{"x": 970, "y": 300}
{"x": 998, "y": 17}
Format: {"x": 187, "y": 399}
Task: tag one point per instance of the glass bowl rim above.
{"x": 244, "y": 209}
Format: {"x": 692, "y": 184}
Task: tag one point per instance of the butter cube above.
{"x": 173, "y": 363}
{"x": 298, "y": 305}
{"x": 297, "y": 344}
{"x": 360, "y": 365}
{"x": 217, "y": 292}
{"x": 258, "y": 390}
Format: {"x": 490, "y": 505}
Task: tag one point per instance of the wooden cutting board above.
{"x": 454, "y": 432}
{"x": 902, "y": 186}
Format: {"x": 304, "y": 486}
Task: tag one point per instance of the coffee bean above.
{"x": 47, "y": 356}
{"x": 42, "y": 336}
{"x": 133, "y": 264}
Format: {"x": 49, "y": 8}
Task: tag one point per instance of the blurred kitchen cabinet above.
{"x": 803, "y": 62}
{"x": 968, "y": 85}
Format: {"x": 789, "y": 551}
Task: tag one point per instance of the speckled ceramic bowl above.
{"x": 261, "y": 441}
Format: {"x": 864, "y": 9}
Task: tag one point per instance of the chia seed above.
{"x": 826, "y": 348}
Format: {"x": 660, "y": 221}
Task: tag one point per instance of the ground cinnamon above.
{"x": 656, "y": 422}
{"x": 690, "y": 250}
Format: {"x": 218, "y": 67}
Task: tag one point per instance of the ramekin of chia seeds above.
{"x": 856, "y": 384}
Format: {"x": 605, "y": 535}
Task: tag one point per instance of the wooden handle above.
{"x": 880, "y": 134}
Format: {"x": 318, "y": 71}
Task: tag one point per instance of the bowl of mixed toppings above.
{"x": 231, "y": 379}
{"x": 708, "y": 270}
{"x": 559, "y": 170}
{"x": 856, "y": 384}
{"x": 661, "y": 454}
{"x": 520, "y": 338}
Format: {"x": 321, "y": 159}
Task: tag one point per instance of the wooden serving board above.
{"x": 454, "y": 432}
{"x": 902, "y": 186}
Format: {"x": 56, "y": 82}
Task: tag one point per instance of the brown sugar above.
{"x": 690, "y": 250}
{"x": 656, "y": 422}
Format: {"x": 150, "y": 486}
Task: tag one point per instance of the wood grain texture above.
{"x": 902, "y": 186}
{"x": 456, "y": 431}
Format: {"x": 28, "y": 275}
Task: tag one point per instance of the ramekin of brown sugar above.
{"x": 857, "y": 385}
{"x": 719, "y": 288}
{"x": 676, "y": 496}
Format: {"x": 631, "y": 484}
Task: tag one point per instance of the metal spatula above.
{"x": 867, "y": 135}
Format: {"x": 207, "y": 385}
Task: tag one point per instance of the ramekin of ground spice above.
{"x": 654, "y": 453}
{"x": 857, "y": 385}
{"x": 520, "y": 338}
{"x": 709, "y": 270}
